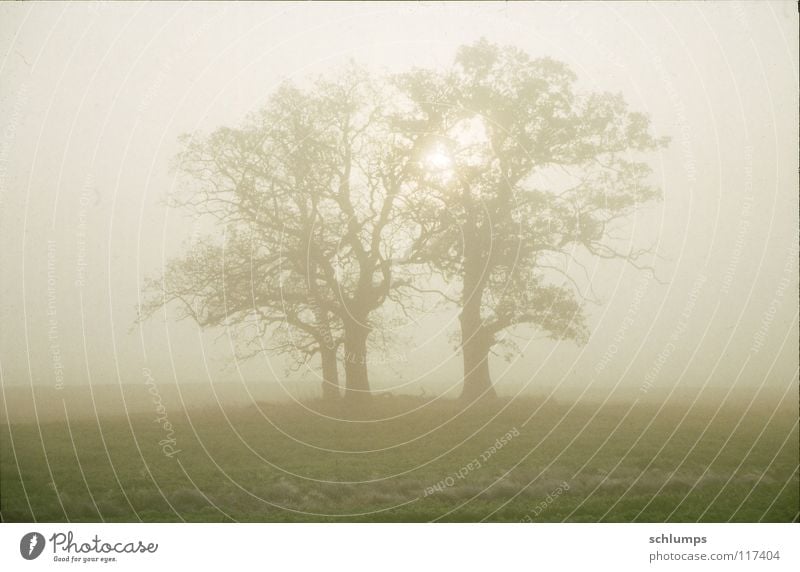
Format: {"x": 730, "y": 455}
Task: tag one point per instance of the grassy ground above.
{"x": 622, "y": 462}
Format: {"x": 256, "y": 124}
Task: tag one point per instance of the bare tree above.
{"x": 306, "y": 193}
{"x": 518, "y": 167}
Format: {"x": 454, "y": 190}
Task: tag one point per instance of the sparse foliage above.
{"x": 339, "y": 198}
{"x": 305, "y": 194}
{"x": 528, "y": 168}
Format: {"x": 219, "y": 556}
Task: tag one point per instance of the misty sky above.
{"x": 94, "y": 97}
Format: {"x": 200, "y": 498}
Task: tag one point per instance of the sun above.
{"x": 439, "y": 163}
{"x": 466, "y": 144}
{"x": 438, "y": 159}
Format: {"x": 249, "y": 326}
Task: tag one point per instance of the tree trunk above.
{"x": 475, "y": 340}
{"x": 475, "y": 345}
{"x": 355, "y": 361}
{"x": 330, "y": 374}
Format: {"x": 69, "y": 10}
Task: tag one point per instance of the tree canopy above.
{"x": 524, "y": 167}
{"x": 336, "y": 199}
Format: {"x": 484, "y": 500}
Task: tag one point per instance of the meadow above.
{"x": 409, "y": 459}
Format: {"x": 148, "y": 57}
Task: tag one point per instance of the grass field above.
{"x": 406, "y": 459}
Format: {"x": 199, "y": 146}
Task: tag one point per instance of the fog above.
{"x": 95, "y": 96}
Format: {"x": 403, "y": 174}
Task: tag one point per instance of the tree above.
{"x": 520, "y": 167}
{"x": 306, "y": 193}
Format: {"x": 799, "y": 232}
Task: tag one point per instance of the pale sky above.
{"x": 94, "y": 97}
